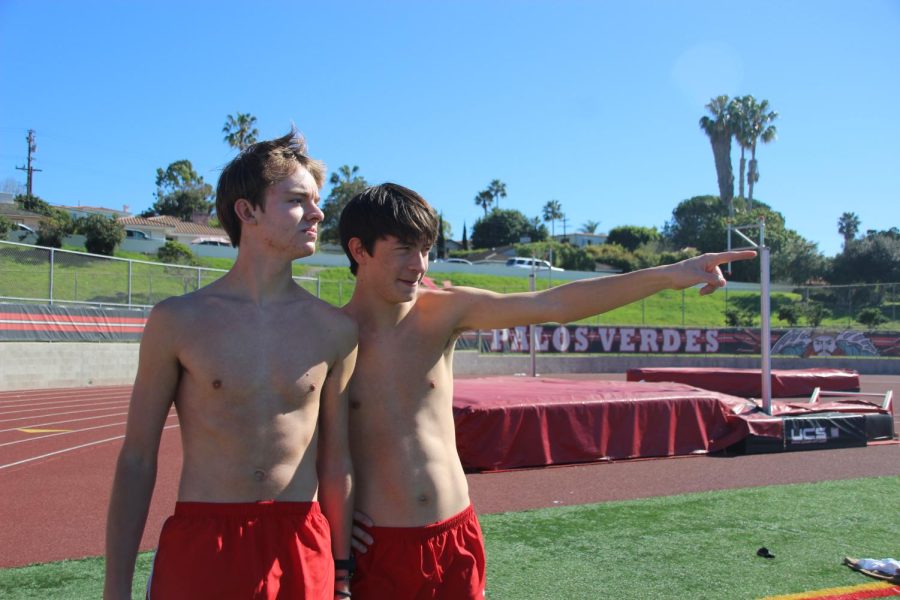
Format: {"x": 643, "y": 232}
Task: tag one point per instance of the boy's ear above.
{"x": 358, "y": 250}
{"x": 245, "y": 211}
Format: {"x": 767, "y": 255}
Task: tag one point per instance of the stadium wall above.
{"x": 33, "y": 365}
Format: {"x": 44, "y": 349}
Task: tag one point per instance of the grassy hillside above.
{"x": 24, "y": 273}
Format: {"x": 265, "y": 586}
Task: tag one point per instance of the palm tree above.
{"x": 719, "y": 130}
{"x": 484, "y": 200}
{"x": 740, "y": 109}
{"x": 590, "y": 227}
{"x": 497, "y": 190}
{"x": 240, "y": 131}
{"x": 760, "y": 128}
{"x": 848, "y": 226}
{"x": 552, "y": 213}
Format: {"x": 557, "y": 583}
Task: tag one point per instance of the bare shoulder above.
{"x": 334, "y": 322}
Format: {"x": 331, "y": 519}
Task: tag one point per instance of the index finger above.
{"x": 734, "y": 255}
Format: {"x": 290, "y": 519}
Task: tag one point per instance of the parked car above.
{"x": 136, "y": 234}
{"x": 211, "y": 241}
{"x": 459, "y": 261}
{"x": 522, "y": 262}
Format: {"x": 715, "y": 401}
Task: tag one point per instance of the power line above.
{"x": 32, "y": 148}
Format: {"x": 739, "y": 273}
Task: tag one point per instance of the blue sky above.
{"x": 594, "y": 104}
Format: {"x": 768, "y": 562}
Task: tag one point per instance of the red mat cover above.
{"x": 509, "y": 422}
{"x": 786, "y": 383}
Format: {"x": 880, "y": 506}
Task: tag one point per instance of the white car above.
{"x": 522, "y": 262}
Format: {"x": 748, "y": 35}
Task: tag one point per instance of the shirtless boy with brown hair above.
{"x": 424, "y": 539}
{"x": 257, "y": 369}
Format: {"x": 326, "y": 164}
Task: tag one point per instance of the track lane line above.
{"x": 58, "y": 433}
{"x": 64, "y": 450}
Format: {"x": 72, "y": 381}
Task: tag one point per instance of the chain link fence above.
{"x": 36, "y": 274}
{"x": 47, "y": 275}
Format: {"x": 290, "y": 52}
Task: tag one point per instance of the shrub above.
{"x": 54, "y": 228}
{"x": 101, "y": 234}
{"x": 5, "y": 226}
{"x": 791, "y": 313}
{"x": 176, "y": 253}
{"x": 737, "y": 317}
{"x": 871, "y": 317}
{"x": 815, "y": 313}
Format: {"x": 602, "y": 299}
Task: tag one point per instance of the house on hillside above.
{"x": 171, "y": 228}
{"x": 27, "y": 222}
{"x": 79, "y": 211}
{"x": 582, "y": 239}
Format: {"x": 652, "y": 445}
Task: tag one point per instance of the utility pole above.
{"x": 565, "y": 222}
{"x": 32, "y": 148}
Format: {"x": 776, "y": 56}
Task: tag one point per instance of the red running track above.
{"x": 58, "y": 450}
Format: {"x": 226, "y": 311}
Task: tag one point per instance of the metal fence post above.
{"x": 129, "y": 282}
{"x": 199, "y": 275}
{"x": 52, "y": 257}
{"x": 318, "y": 287}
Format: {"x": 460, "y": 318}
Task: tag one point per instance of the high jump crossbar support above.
{"x": 765, "y": 341}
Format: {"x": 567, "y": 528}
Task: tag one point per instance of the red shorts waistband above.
{"x": 245, "y": 509}
{"x": 432, "y": 529}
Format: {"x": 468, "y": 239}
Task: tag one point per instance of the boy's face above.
{"x": 396, "y": 268}
{"x": 289, "y": 223}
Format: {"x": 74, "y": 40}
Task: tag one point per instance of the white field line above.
{"x": 37, "y": 425}
{"x": 34, "y": 458}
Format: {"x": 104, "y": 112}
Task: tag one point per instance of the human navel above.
{"x": 422, "y": 499}
{"x": 354, "y": 404}
{"x": 217, "y": 383}
{"x": 259, "y": 475}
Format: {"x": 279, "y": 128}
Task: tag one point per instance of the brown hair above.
{"x": 256, "y": 168}
{"x": 383, "y": 210}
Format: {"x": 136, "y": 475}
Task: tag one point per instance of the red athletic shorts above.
{"x": 244, "y": 550}
{"x": 444, "y": 560}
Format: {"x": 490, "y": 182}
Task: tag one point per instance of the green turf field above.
{"x": 692, "y": 546}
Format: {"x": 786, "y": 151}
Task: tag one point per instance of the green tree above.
{"x": 848, "y": 226}
{"x": 180, "y": 192}
{"x": 33, "y": 204}
{"x": 505, "y": 227}
{"x": 759, "y": 128}
{"x": 873, "y": 259}
{"x": 465, "y": 239}
{"x": 240, "y": 131}
{"x": 5, "y": 226}
{"x": 871, "y": 317}
{"x": 484, "y": 200}
{"x": 497, "y": 190}
{"x": 590, "y": 227}
{"x": 101, "y": 234}
{"x": 740, "y": 109}
{"x": 441, "y": 239}
{"x": 345, "y": 184}
{"x": 54, "y": 228}
{"x": 718, "y": 128}
{"x": 815, "y": 313}
{"x": 631, "y": 237}
{"x": 175, "y": 253}
{"x": 790, "y": 312}
{"x": 702, "y": 222}
{"x": 552, "y": 212}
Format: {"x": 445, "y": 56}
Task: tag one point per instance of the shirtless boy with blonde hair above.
{"x": 423, "y": 537}
{"x": 257, "y": 369}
